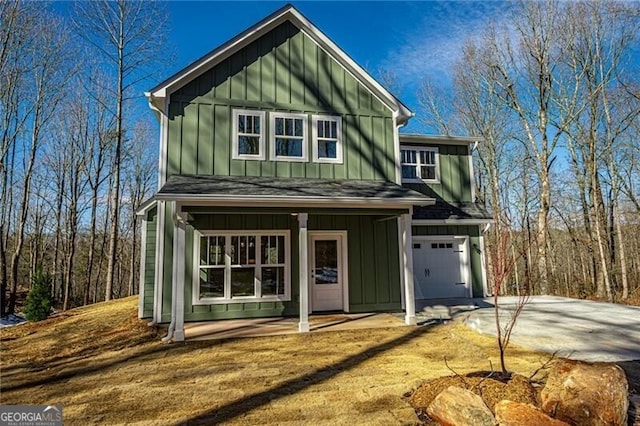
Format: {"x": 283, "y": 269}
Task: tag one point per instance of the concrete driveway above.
{"x": 577, "y": 329}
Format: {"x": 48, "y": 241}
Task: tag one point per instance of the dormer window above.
{"x": 327, "y": 139}
{"x": 248, "y": 134}
{"x": 289, "y": 137}
{"x": 419, "y": 164}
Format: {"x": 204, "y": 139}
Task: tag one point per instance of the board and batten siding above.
{"x": 473, "y": 231}
{"x": 150, "y": 265}
{"x": 455, "y": 179}
{"x": 373, "y": 262}
{"x": 283, "y": 71}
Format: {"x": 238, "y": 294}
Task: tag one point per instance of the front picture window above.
{"x": 241, "y": 266}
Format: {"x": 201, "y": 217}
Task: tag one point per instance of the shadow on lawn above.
{"x": 290, "y": 387}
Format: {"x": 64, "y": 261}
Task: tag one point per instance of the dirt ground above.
{"x": 105, "y": 366}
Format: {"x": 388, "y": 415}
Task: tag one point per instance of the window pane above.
{"x": 241, "y": 123}
{"x": 428, "y": 172}
{"x": 273, "y": 280}
{"x": 204, "y": 256}
{"x": 235, "y": 252}
{"x": 408, "y": 156}
{"x": 247, "y": 250}
{"x": 279, "y": 130}
{"x": 327, "y": 149}
{"x": 408, "y": 172}
{"x": 432, "y": 157}
{"x": 321, "y": 133}
{"x": 248, "y": 145}
{"x": 289, "y": 147}
{"x": 280, "y": 241}
{"x": 216, "y": 250}
{"x": 298, "y": 127}
{"x": 334, "y": 130}
{"x": 256, "y": 124}
{"x": 326, "y": 262}
{"x": 212, "y": 282}
{"x": 242, "y": 282}
{"x": 269, "y": 250}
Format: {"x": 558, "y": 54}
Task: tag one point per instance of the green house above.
{"x": 285, "y": 188}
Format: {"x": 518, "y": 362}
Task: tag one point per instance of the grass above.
{"x": 105, "y": 366}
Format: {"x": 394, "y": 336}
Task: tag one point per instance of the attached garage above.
{"x": 441, "y": 267}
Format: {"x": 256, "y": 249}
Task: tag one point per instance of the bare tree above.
{"x": 139, "y": 177}
{"x": 128, "y": 36}
{"x": 35, "y": 65}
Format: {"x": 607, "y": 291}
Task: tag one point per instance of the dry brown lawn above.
{"x": 106, "y": 367}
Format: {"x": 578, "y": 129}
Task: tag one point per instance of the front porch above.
{"x": 254, "y": 327}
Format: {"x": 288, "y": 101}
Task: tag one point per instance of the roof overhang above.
{"x": 439, "y": 139}
{"x": 254, "y": 191}
{"x": 159, "y": 94}
{"x": 284, "y": 201}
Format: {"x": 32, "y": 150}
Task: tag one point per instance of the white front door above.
{"x": 441, "y": 268}
{"x": 327, "y": 271}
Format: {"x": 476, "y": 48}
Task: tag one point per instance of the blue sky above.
{"x": 412, "y": 39}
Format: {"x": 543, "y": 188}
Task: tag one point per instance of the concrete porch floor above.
{"x": 226, "y": 329}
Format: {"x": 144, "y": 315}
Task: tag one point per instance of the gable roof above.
{"x": 289, "y": 13}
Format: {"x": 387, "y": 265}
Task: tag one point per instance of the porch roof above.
{"x": 286, "y": 191}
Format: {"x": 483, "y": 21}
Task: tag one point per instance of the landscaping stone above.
{"x": 459, "y": 407}
{"x": 509, "y": 413}
{"x": 587, "y": 394}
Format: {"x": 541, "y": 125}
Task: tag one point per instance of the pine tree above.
{"x": 38, "y": 303}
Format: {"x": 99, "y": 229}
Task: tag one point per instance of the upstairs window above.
{"x": 248, "y": 135}
{"x": 289, "y": 137}
{"x": 327, "y": 139}
{"x": 419, "y": 164}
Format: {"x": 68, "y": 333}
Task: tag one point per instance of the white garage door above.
{"x": 441, "y": 268}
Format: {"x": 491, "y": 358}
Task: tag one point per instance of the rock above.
{"x": 586, "y": 394}
{"x": 509, "y": 413}
{"x": 455, "y": 406}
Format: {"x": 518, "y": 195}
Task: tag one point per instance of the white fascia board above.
{"x": 439, "y": 139}
{"x": 284, "y": 201}
{"x": 157, "y": 95}
{"x": 451, "y": 221}
{"x": 146, "y": 206}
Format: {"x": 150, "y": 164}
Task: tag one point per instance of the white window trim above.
{"x": 196, "y": 300}
{"x": 272, "y": 138}
{"x": 262, "y": 152}
{"x": 418, "y": 149}
{"x": 338, "y": 120}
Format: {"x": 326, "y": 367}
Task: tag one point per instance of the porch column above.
{"x": 303, "y": 259}
{"x": 180, "y": 223}
{"x": 407, "y": 244}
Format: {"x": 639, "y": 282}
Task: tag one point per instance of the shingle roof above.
{"x": 443, "y": 210}
{"x": 248, "y": 187}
